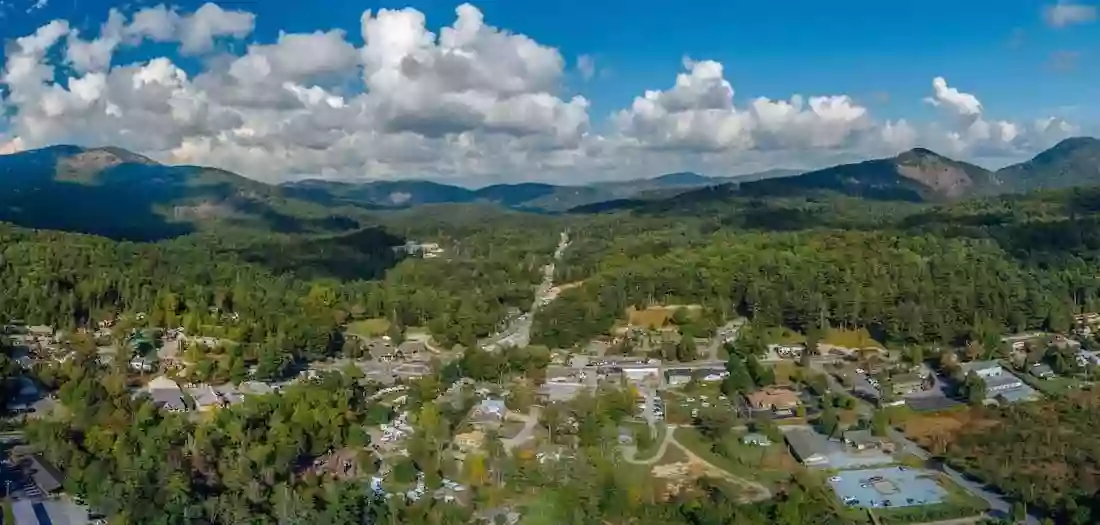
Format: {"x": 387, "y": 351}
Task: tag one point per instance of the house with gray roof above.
{"x": 166, "y": 394}
{"x": 808, "y": 446}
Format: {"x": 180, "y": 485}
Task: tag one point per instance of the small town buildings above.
{"x": 46, "y": 477}
{"x": 862, "y": 440}
{"x": 641, "y": 372}
{"x": 1020, "y": 341}
{"x": 996, "y": 378}
{"x": 489, "y": 410}
{"x": 756, "y": 439}
{"x": 166, "y": 394}
{"x": 1041, "y": 370}
{"x": 787, "y": 350}
{"x": 779, "y": 401}
{"x": 808, "y": 446}
{"x": 41, "y": 333}
{"x": 205, "y": 398}
{"x": 142, "y": 364}
{"x": 905, "y": 384}
{"x": 1085, "y": 358}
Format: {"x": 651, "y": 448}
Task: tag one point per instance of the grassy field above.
{"x": 9, "y": 515}
{"x": 369, "y": 327}
{"x": 648, "y": 452}
{"x": 1055, "y": 387}
{"x": 781, "y": 335}
{"x": 656, "y": 316}
{"x": 768, "y": 465}
{"x": 850, "y": 338}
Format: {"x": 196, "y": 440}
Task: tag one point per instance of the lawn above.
{"x": 648, "y": 452}
{"x": 9, "y": 515}
{"x": 656, "y": 316}
{"x": 1056, "y": 386}
{"x": 367, "y": 328}
{"x": 769, "y": 465}
{"x": 850, "y": 338}
{"x": 782, "y": 335}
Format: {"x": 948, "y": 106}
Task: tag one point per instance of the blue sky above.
{"x": 1021, "y": 63}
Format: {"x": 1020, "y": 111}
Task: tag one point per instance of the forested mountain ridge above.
{"x": 123, "y": 195}
{"x": 915, "y": 175}
{"x": 533, "y": 196}
{"x": 1072, "y": 162}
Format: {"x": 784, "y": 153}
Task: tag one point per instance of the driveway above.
{"x": 530, "y": 422}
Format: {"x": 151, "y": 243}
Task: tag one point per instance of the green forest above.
{"x": 921, "y": 274}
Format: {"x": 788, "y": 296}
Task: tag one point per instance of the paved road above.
{"x": 728, "y": 333}
{"x": 518, "y": 333}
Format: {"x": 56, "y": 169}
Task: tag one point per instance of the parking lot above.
{"x": 887, "y": 487}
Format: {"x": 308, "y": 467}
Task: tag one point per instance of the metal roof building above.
{"x": 808, "y": 446}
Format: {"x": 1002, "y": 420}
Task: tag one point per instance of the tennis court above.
{"x": 887, "y": 487}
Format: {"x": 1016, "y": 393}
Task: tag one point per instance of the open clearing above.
{"x": 860, "y": 338}
{"x": 657, "y": 316}
{"x": 369, "y": 327}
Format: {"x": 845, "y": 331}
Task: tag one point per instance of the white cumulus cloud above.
{"x": 466, "y": 101}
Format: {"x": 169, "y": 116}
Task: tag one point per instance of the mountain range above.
{"x": 120, "y": 194}
{"x": 533, "y": 196}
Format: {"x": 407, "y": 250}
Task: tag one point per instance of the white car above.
{"x": 860, "y": 371}
{"x": 723, "y": 398}
{"x": 834, "y": 479}
{"x": 691, "y": 400}
{"x": 706, "y": 405}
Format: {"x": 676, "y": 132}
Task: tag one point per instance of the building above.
{"x": 489, "y": 410}
{"x": 862, "y": 440}
{"x": 1086, "y": 358}
{"x": 470, "y": 441}
{"x": 808, "y": 446}
{"x": 983, "y": 369}
{"x": 996, "y": 378}
{"x": 905, "y": 384}
{"x": 411, "y": 350}
{"x": 787, "y": 350}
{"x": 166, "y": 394}
{"x": 560, "y": 391}
{"x": 46, "y": 477}
{"x": 1020, "y": 341}
{"x": 205, "y": 398}
{"x": 1041, "y": 370}
{"x": 756, "y": 439}
{"x": 779, "y": 401}
{"x": 641, "y": 372}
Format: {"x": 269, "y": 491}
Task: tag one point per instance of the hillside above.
{"x": 914, "y": 175}
{"x": 532, "y": 196}
{"x": 122, "y": 195}
{"x": 1072, "y": 162}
